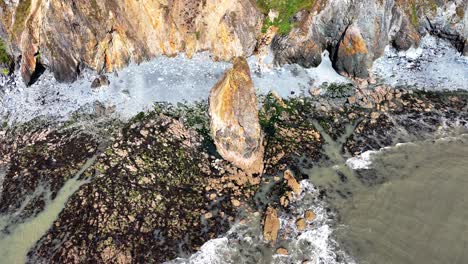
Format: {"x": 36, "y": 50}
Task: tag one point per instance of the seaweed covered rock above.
{"x": 147, "y": 200}
{"x": 235, "y": 125}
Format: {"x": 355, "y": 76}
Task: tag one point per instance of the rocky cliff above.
{"x": 108, "y": 34}
{"x": 105, "y": 35}
{"x": 357, "y": 32}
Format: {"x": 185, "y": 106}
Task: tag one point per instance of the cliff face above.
{"x": 357, "y": 32}
{"x": 108, "y": 34}
{"x": 105, "y": 35}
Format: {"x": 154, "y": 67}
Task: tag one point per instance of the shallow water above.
{"x": 17, "y": 239}
{"x": 418, "y": 214}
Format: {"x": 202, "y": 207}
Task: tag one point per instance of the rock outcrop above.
{"x": 105, "y": 35}
{"x": 235, "y": 123}
{"x": 357, "y": 32}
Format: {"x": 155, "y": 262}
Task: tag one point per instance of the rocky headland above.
{"x": 158, "y": 186}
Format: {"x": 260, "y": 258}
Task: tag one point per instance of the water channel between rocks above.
{"x": 17, "y": 239}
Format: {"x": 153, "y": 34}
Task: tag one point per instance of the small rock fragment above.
{"x": 310, "y": 216}
{"x": 208, "y": 215}
{"x": 292, "y": 182}
{"x": 271, "y": 225}
{"x": 282, "y": 251}
{"x": 100, "y": 81}
{"x": 235, "y": 202}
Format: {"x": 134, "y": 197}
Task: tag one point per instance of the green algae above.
{"x": 21, "y": 14}
{"x": 286, "y": 10}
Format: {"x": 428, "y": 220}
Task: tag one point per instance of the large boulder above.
{"x": 235, "y": 124}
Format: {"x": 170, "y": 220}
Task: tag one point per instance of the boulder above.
{"x": 100, "y": 81}
{"x": 351, "y": 54}
{"x": 271, "y": 225}
{"x": 282, "y": 251}
{"x": 310, "y": 216}
{"x": 234, "y": 117}
{"x": 292, "y": 182}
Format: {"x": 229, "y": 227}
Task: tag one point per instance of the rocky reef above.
{"x": 159, "y": 189}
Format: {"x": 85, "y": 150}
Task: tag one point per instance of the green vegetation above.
{"x": 338, "y": 90}
{"x": 286, "y": 10}
{"x": 4, "y": 57}
{"x": 22, "y": 12}
{"x": 414, "y": 15}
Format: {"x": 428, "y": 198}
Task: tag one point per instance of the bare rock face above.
{"x": 105, "y": 35}
{"x": 351, "y": 58}
{"x": 356, "y": 32}
{"x": 235, "y": 124}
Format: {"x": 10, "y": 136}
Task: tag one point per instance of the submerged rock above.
{"x": 235, "y": 125}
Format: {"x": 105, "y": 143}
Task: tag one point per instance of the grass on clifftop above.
{"x": 286, "y": 10}
{"x": 4, "y": 58}
{"x": 22, "y": 12}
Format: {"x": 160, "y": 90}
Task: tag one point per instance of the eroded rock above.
{"x": 292, "y": 182}
{"x": 109, "y": 34}
{"x": 271, "y": 225}
{"x": 235, "y": 124}
{"x": 100, "y": 81}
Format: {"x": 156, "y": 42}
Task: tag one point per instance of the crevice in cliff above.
{"x": 333, "y": 49}
{"x": 38, "y": 70}
{"x": 455, "y": 39}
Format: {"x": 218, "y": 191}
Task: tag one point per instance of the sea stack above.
{"x": 235, "y": 125}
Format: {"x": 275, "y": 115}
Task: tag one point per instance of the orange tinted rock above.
{"x": 271, "y": 225}
{"x": 235, "y": 124}
{"x": 301, "y": 224}
{"x": 282, "y": 251}
{"x": 292, "y": 182}
{"x": 310, "y": 216}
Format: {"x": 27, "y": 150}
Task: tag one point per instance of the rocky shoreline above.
{"x": 159, "y": 188}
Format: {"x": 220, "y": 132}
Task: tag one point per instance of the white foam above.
{"x": 362, "y": 161}
{"x": 435, "y": 65}
{"x": 211, "y": 252}
{"x": 137, "y": 87}
{"x": 243, "y": 241}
